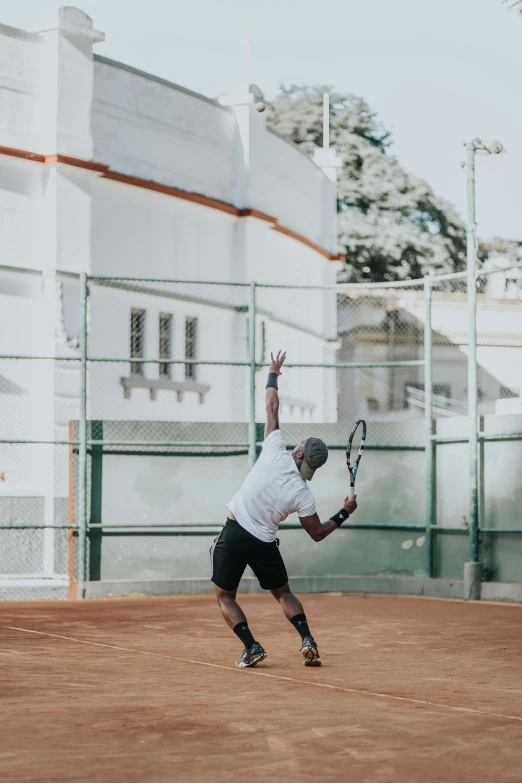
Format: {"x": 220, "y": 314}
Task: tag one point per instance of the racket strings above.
{"x": 356, "y": 443}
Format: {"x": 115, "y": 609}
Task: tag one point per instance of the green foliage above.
{"x": 390, "y": 224}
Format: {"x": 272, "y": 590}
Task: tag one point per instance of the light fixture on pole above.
{"x": 491, "y": 147}
{"x": 473, "y": 569}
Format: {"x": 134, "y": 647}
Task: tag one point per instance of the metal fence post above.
{"x": 252, "y": 384}
{"x": 428, "y": 424}
{"x": 482, "y": 478}
{"x": 82, "y": 466}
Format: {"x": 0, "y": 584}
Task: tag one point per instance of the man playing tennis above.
{"x": 275, "y": 487}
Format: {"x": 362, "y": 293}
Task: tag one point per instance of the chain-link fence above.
{"x": 172, "y": 374}
{"x": 39, "y": 398}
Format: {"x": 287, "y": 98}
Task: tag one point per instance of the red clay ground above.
{"x": 410, "y": 690}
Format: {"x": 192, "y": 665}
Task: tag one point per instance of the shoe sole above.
{"x": 254, "y": 662}
{"x": 311, "y": 656}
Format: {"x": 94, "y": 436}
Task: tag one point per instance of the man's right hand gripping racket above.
{"x": 354, "y": 451}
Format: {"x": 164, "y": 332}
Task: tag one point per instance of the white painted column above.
{"x": 329, "y": 163}
{"x": 65, "y": 93}
{"x": 241, "y": 100}
{"x": 66, "y": 83}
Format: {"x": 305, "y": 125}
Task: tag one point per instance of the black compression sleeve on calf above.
{"x": 340, "y": 517}
{"x": 243, "y": 631}
{"x": 301, "y": 625}
{"x": 272, "y": 381}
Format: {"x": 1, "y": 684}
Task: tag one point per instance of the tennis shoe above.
{"x": 310, "y": 652}
{"x": 251, "y": 657}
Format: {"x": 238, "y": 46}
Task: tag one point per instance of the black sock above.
{"x": 243, "y": 631}
{"x": 301, "y": 625}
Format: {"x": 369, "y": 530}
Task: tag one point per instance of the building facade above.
{"x": 109, "y": 171}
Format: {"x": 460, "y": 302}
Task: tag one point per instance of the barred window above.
{"x": 137, "y": 340}
{"x": 191, "y": 338}
{"x": 165, "y": 343}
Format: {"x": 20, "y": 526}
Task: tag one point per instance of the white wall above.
{"x": 148, "y": 129}
{"x": 288, "y": 185}
{"x": 137, "y": 232}
{"x": 19, "y": 59}
{"x": 20, "y": 199}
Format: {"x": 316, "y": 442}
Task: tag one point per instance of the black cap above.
{"x": 315, "y": 455}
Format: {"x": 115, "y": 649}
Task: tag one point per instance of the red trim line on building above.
{"x": 78, "y": 163}
{"x": 289, "y": 233}
{"x": 257, "y": 214}
{"x": 168, "y": 190}
{"x": 24, "y": 154}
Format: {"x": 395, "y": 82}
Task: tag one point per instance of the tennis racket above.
{"x": 354, "y": 451}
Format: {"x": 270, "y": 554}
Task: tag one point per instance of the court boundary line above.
{"x": 358, "y": 691}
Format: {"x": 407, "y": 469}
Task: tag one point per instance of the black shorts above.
{"x": 235, "y": 548}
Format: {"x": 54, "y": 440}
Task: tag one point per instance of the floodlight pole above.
{"x": 472, "y": 570}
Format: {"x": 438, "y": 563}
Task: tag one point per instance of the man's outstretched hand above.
{"x": 277, "y": 363}
{"x": 350, "y": 504}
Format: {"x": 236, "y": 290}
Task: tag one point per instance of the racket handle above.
{"x": 351, "y": 493}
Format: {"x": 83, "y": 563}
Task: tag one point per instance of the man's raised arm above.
{"x": 271, "y": 395}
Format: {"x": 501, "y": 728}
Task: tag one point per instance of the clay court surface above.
{"x": 146, "y": 691}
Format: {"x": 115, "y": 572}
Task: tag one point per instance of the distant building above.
{"x": 507, "y": 283}
{"x": 388, "y": 325}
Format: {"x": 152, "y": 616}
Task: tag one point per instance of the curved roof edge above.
{"x": 136, "y": 71}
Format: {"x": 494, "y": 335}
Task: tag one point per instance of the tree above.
{"x": 390, "y": 224}
{"x": 515, "y": 4}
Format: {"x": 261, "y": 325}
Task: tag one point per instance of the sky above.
{"x": 437, "y": 73}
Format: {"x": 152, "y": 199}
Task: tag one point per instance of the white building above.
{"x": 111, "y": 171}
{"x": 116, "y": 172}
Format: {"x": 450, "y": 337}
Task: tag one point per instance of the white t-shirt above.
{"x": 273, "y": 489}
